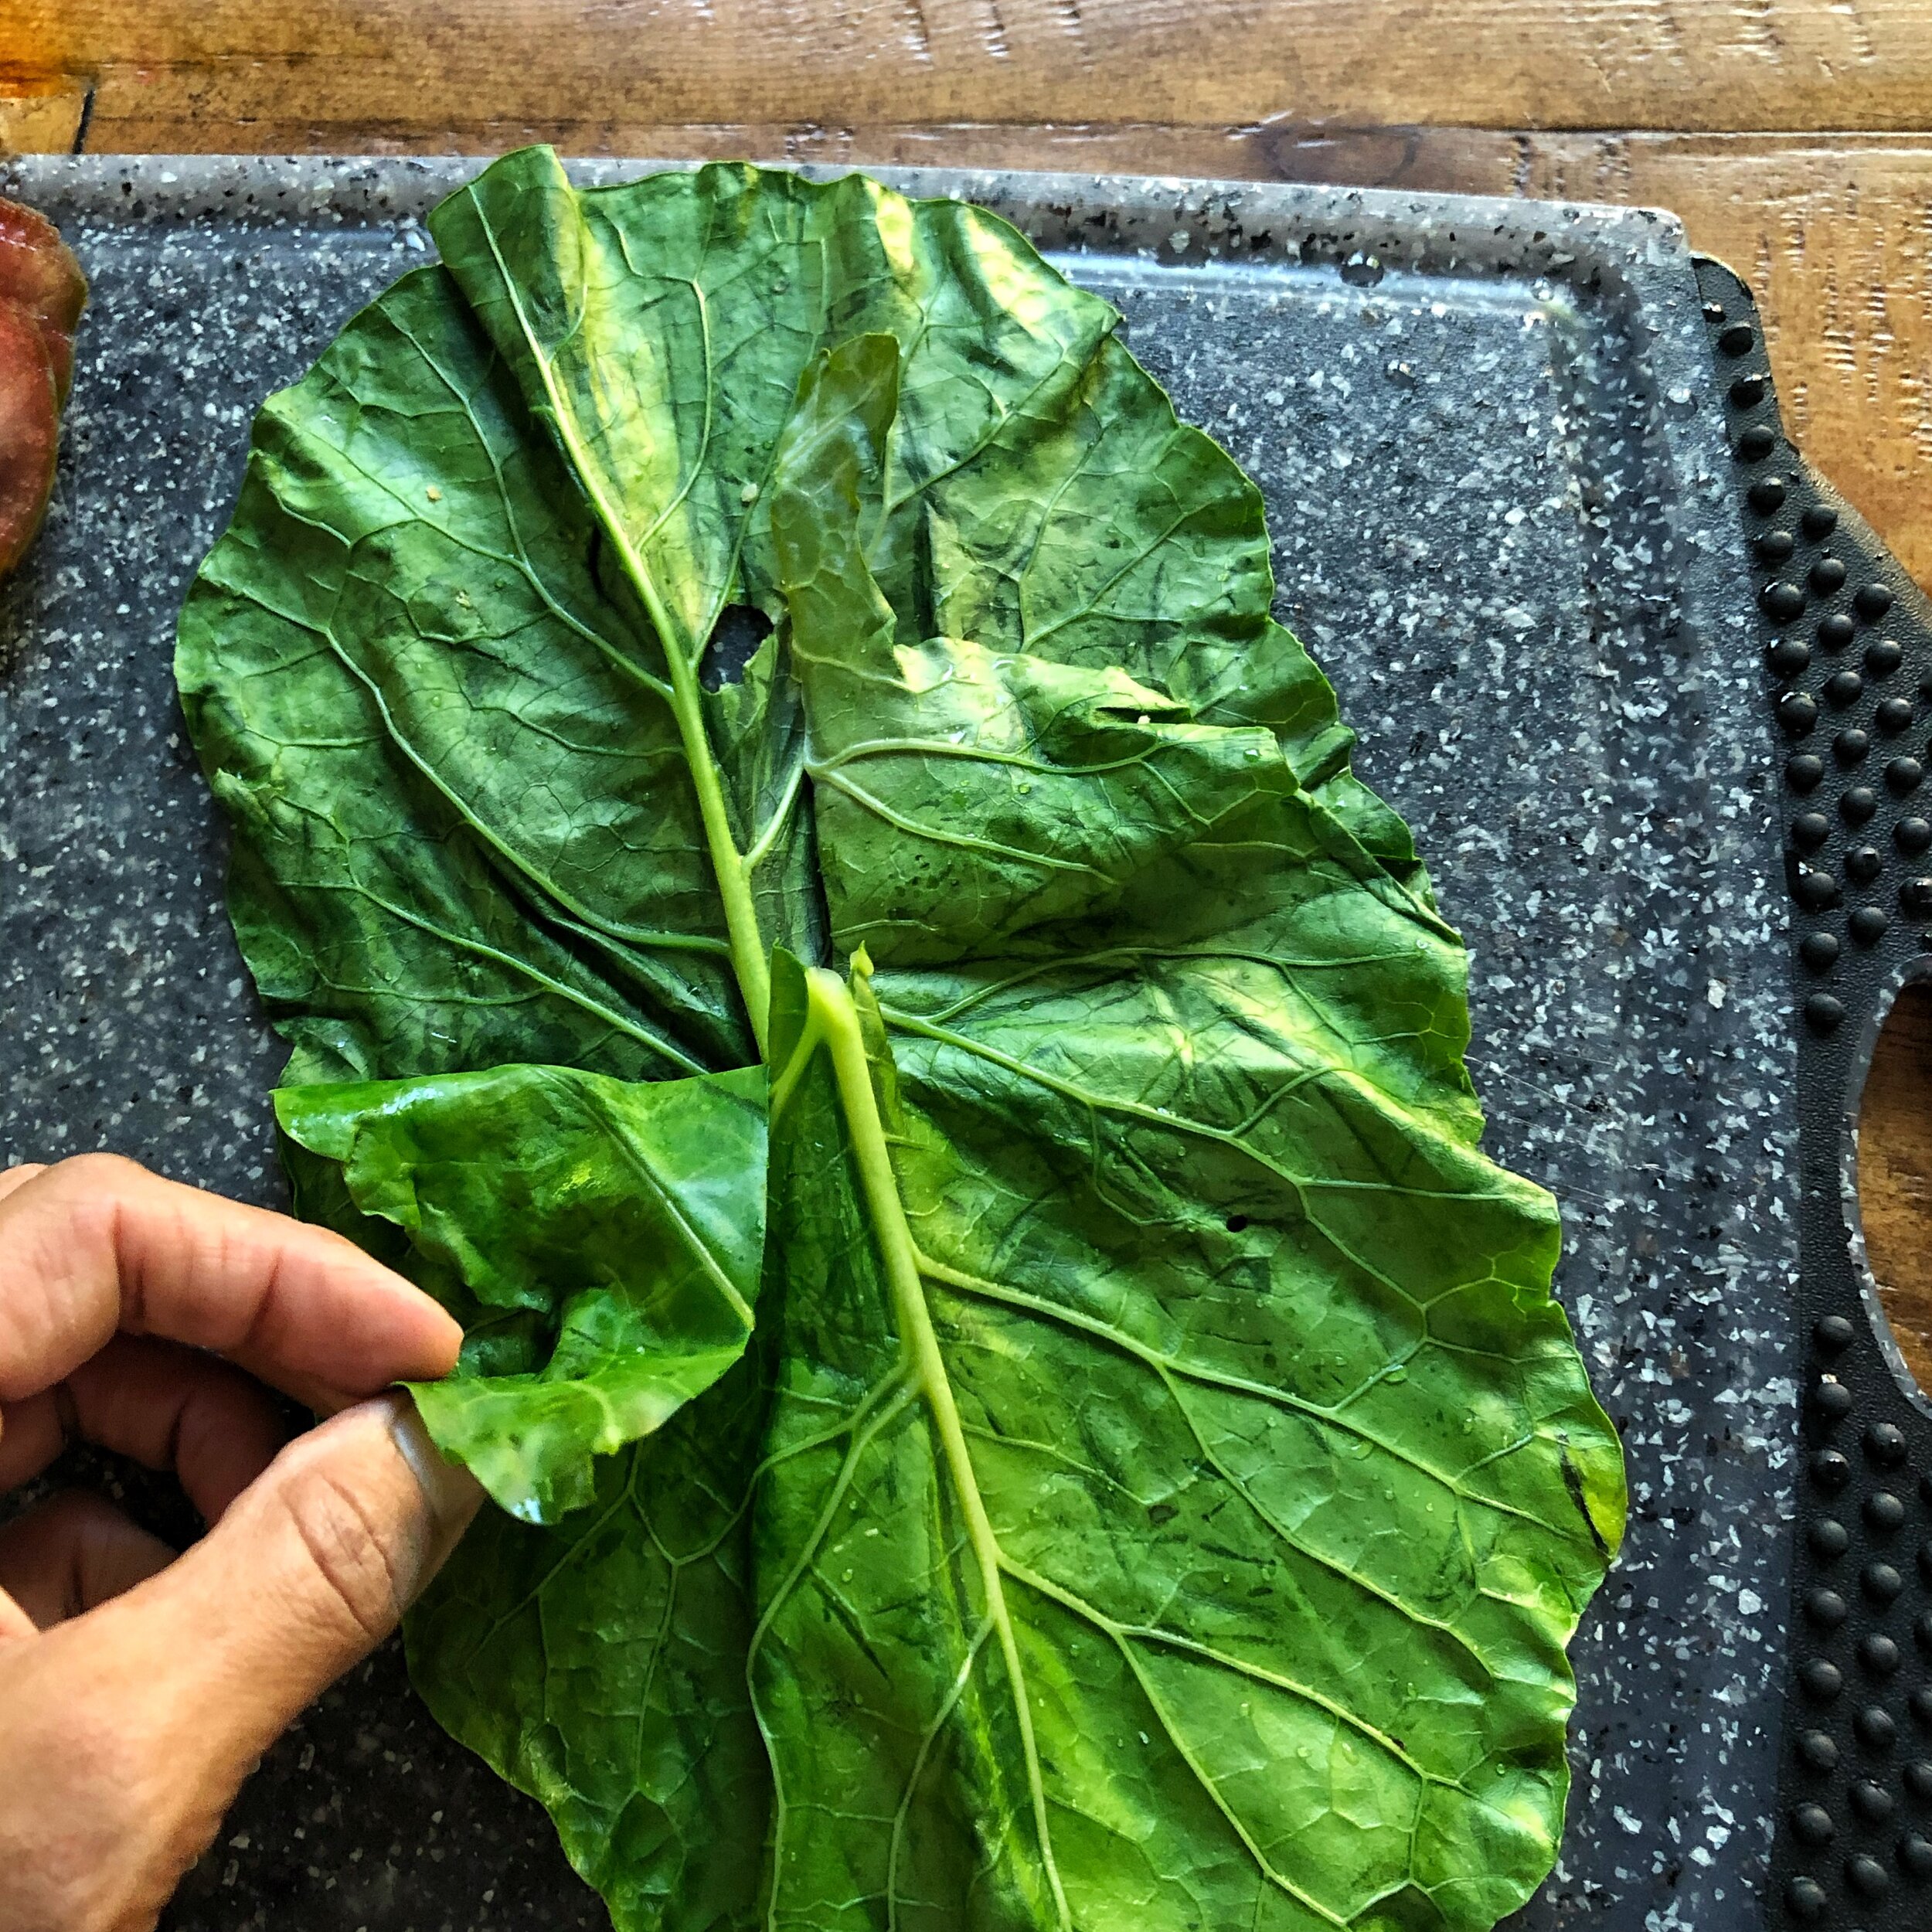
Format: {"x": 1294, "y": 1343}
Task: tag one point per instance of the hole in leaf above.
{"x": 741, "y": 629}
{"x": 1895, "y": 1175}
{"x": 1236, "y": 1222}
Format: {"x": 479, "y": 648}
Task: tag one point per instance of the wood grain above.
{"x": 1895, "y": 1175}
{"x": 40, "y": 117}
{"x": 1735, "y": 65}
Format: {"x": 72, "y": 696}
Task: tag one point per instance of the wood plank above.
{"x": 1895, "y": 1175}
{"x": 335, "y": 66}
{"x": 42, "y": 118}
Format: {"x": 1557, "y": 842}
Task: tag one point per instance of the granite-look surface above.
{"x": 1495, "y": 466}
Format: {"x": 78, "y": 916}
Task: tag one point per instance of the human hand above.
{"x": 138, "y": 1689}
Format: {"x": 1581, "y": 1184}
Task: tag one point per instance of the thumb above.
{"x": 128, "y": 1730}
{"x": 308, "y": 1570}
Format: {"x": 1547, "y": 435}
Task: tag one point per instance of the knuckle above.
{"x": 93, "y": 1187}
{"x": 348, "y": 1552}
{"x": 100, "y": 1172}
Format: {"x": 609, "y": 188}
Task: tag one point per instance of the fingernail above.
{"x": 451, "y": 1492}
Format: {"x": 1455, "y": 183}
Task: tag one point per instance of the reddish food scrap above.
{"x": 42, "y": 294}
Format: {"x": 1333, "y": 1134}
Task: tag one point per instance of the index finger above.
{"x": 96, "y": 1243}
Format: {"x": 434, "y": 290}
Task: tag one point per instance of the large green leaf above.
{"x": 600, "y": 1242}
{"x": 1161, "y": 1486}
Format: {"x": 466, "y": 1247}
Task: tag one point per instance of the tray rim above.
{"x": 1481, "y": 230}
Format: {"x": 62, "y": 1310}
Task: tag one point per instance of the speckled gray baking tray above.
{"x": 1505, "y": 521}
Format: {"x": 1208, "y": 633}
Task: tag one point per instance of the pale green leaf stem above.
{"x": 837, "y": 1026}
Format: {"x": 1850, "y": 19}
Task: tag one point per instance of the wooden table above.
{"x": 1795, "y": 137}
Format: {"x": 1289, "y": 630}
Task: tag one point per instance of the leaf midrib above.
{"x": 837, "y": 1024}
{"x": 835, "y": 1019}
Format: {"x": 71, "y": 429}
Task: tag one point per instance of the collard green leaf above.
{"x": 600, "y": 1666}
{"x": 1161, "y": 1486}
{"x": 599, "y": 1240}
